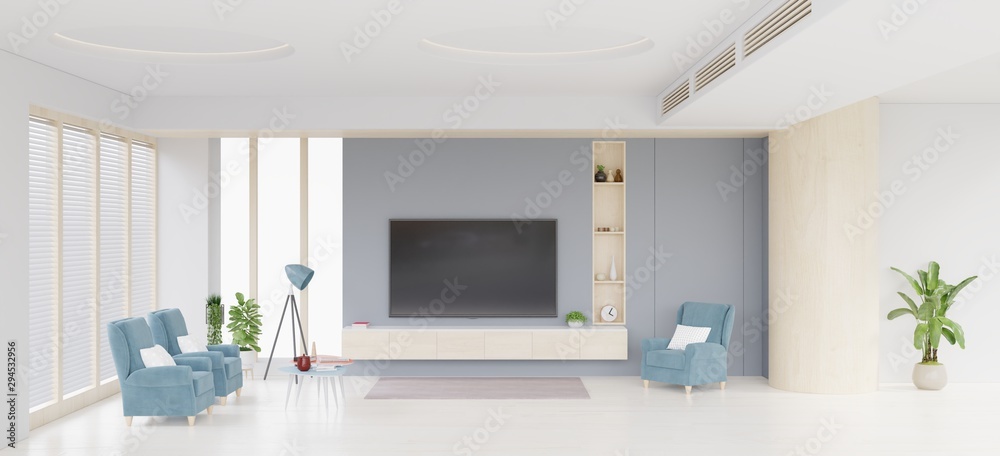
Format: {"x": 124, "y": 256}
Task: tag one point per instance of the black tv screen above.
{"x": 472, "y": 268}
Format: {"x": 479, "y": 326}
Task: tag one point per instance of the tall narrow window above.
{"x": 114, "y": 234}
{"x": 43, "y": 259}
{"x": 79, "y": 259}
{"x": 326, "y": 217}
{"x": 143, "y": 229}
{"x": 278, "y": 188}
{"x": 235, "y": 221}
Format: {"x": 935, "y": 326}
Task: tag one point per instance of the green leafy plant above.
{"x": 600, "y": 168}
{"x": 244, "y": 323}
{"x": 213, "y": 316}
{"x": 935, "y": 297}
{"x": 576, "y": 315}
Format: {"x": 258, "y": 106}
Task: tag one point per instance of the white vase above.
{"x": 613, "y": 275}
{"x": 575, "y": 324}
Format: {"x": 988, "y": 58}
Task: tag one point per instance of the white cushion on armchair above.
{"x": 189, "y": 344}
{"x": 685, "y": 335}
{"x": 156, "y": 356}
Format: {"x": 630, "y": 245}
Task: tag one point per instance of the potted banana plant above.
{"x": 935, "y": 297}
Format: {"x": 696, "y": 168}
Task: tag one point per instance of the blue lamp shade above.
{"x": 299, "y": 275}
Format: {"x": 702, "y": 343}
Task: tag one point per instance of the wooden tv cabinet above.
{"x": 485, "y": 343}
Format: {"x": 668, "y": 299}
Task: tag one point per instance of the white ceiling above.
{"x": 392, "y": 64}
{"x": 976, "y": 82}
{"x": 940, "y": 53}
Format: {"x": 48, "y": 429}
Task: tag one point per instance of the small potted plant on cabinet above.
{"x": 244, "y": 324}
{"x": 935, "y": 297}
{"x": 576, "y": 319}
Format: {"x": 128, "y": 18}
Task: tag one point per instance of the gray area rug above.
{"x": 478, "y": 388}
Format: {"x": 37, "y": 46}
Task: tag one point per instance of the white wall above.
{"x": 183, "y": 224}
{"x": 24, "y": 83}
{"x": 946, "y": 208}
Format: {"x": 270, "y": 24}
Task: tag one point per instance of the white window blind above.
{"x": 79, "y": 255}
{"x": 143, "y": 261}
{"x": 43, "y": 259}
{"x": 114, "y": 233}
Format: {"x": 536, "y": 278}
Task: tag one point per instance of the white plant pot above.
{"x": 248, "y": 358}
{"x": 930, "y": 376}
{"x": 575, "y": 324}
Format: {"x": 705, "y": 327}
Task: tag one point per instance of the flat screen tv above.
{"x": 472, "y": 268}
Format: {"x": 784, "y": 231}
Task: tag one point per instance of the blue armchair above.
{"x": 697, "y": 364}
{"x": 227, "y": 369}
{"x": 182, "y": 390}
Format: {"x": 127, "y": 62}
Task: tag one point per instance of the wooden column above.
{"x": 823, "y": 307}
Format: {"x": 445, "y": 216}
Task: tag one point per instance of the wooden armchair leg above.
{"x": 209, "y": 410}
{"x": 190, "y": 421}
{"x": 128, "y": 421}
{"x": 645, "y": 383}
{"x": 722, "y": 385}
{"x": 222, "y": 400}
{"x": 239, "y": 391}
{"x": 687, "y": 390}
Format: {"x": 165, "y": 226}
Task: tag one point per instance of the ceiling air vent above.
{"x": 775, "y": 24}
{"x": 722, "y": 63}
{"x": 675, "y": 98}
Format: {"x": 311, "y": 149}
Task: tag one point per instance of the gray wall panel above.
{"x": 751, "y": 331}
{"x": 480, "y": 178}
{"x": 487, "y": 178}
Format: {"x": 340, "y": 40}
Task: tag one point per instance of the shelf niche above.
{"x": 609, "y": 213}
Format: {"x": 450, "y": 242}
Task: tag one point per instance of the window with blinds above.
{"x": 92, "y": 253}
{"x": 79, "y": 258}
{"x": 43, "y": 259}
{"x": 143, "y": 229}
{"x": 114, "y": 241}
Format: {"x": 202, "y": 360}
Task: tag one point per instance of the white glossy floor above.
{"x": 621, "y": 419}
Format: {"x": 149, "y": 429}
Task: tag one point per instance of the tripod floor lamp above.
{"x": 299, "y": 276}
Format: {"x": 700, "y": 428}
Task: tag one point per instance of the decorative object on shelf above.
{"x": 609, "y": 313}
{"x": 600, "y": 277}
{"x": 618, "y": 176}
{"x": 214, "y": 318}
{"x": 936, "y": 297}
{"x": 576, "y": 319}
{"x": 600, "y": 176}
{"x": 360, "y": 325}
{"x": 303, "y": 362}
{"x": 244, "y": 324}
{"x": 613, "y": 275}
{"x": 299, "y": 277}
